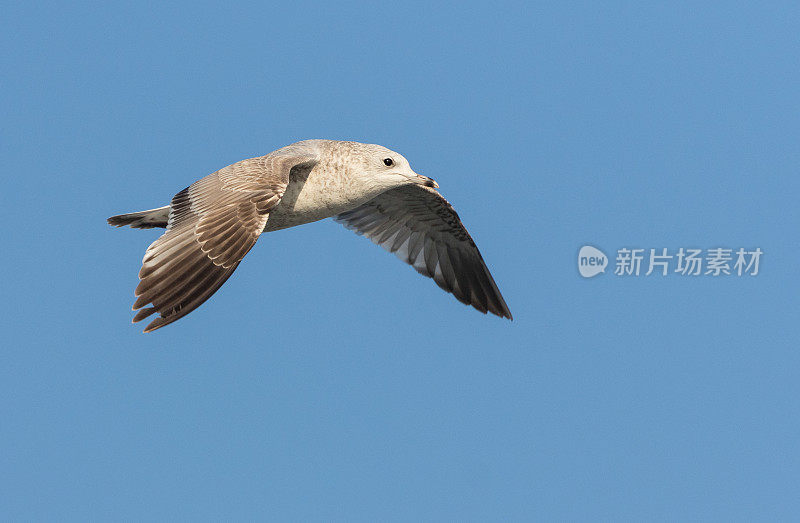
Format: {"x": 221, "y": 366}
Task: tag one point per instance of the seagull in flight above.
{"x": 212, "y": 224}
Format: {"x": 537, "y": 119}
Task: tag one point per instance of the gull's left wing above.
{"x": 421, "y": 228}
{"x": 211, "y": 225}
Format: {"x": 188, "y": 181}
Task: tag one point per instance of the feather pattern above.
{"x": 421, "y": 228}
{"x": 211, "y": 226}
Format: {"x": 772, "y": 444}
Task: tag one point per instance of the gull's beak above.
{"x": 427, "y": 182}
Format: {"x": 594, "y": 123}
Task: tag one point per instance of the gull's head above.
{"x": 387, "y": 168}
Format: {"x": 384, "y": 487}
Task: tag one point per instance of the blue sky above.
{"x": 326, "y": 380}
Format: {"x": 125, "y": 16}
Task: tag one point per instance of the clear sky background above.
{"x": 327, "y": 380}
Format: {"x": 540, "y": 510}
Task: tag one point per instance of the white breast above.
{"x": 315, "y": 195}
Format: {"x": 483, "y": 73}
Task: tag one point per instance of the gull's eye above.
{"x": 388, "y": 162}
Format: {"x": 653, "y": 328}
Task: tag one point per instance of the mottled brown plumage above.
{"x": 213, "y": 223}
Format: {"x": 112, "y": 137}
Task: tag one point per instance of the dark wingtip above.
{"x": 507, "y": 312}
{"x": 504, "y": 313}
{"x": 153, "y": 325}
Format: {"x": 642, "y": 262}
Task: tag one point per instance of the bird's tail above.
{"x": 142, "y": 219}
